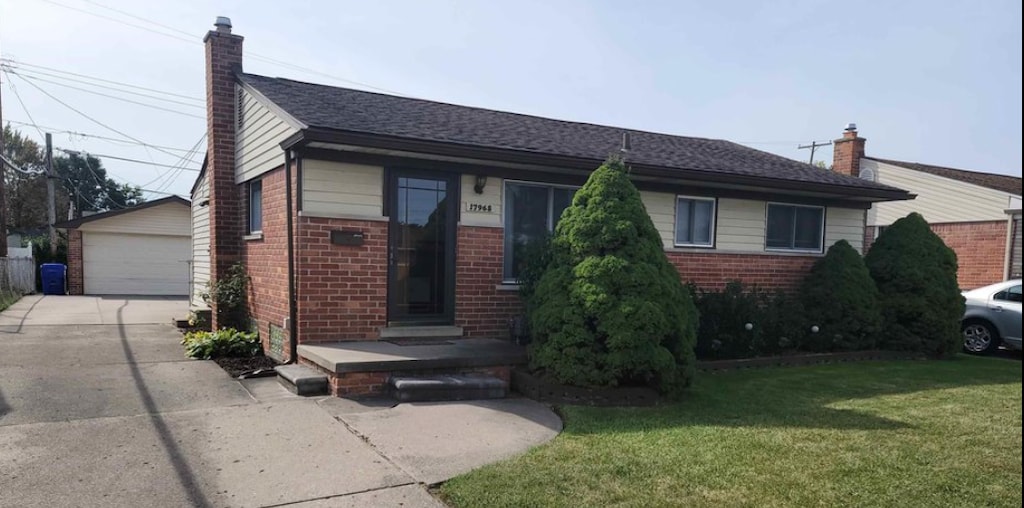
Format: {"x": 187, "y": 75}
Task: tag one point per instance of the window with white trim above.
{"x": 794, "y": 227}
{"x": 531, "y": 211}
{"x": 695, "y": 222}
{"x": 255, "y": 206}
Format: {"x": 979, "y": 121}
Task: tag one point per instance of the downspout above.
{"x": 293, "y": 328}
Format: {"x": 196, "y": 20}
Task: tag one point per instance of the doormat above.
{"x": 420, "y": 342}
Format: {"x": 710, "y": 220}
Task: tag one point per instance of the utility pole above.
{"x": 51, "y": 214}
{"x": 813, "y": 146}
{"x": 3, "y": 179}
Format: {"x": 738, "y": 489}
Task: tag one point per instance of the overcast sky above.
{"x": 934, "y": 82}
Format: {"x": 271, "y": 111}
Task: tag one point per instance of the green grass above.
{"x": 8, "y": 299}
{"x": 914, "y": 433}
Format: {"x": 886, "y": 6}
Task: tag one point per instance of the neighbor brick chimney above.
{"x": 847, "y": 152}
{"x": 223, "y": 61}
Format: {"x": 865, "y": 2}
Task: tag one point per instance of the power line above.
{"x": 58, "y": 130}
{"x": 10, "y": 83}
{"x": 130, "y": 15}
{"x": 101, "y": 94}
{"x": 10, "y": 61}
{"x": 172, "y": 175}
{"x": 254, "y": 56}
{"x": 136, "y": 161}
{"x": 93, "y": 120}
{"x": 32, "y": 73}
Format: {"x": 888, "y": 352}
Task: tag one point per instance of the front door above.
{"x": 422, "y": 207}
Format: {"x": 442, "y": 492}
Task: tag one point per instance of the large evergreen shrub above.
{"x": 840, "y": 297}
{"x": 916, "y": 277}
{"x": 610, "y": 309}
{"x": 776, "y": 320}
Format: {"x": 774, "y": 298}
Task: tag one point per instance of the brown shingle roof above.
{"x": 344, "y": 109}
{"x": 1005, "y": 183}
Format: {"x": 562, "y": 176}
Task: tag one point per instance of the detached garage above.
{"x": 143, "y": 250}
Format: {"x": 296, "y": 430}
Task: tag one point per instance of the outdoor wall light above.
{"x": 481, "y": 182}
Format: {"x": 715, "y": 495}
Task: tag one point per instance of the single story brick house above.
{"x": 361, "y": 216}
{"x": 977, "y": 214}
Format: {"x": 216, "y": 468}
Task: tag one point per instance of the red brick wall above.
{"x": 480, "y": 308}
{"x": 76, "y": 279}
{"x": 266, "y": 260}
{"x": 847, "y": 152}
{"x": 713, "y": 270}
{"x": 869, "y": 238}
{"x": 342, "y": 290}
{"x": 980, "y": 250}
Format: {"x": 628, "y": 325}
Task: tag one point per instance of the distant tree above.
{"x": 823, "y": 165}
{"x": 81, "y": 181}
{"x": 89, "y": 189}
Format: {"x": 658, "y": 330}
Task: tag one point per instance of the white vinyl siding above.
{"x": 167, "y": 219}
{"x": 740, "y": 223}
{"x": 939, "y": 199}
{"x": 135, "y": 264}
{"x": 844, "y": 224}
{"x": 338, "y": 189}
{"x": 258, "y": 136}
{"x": 200, "y": 243}
{"x": 489, "y": 199}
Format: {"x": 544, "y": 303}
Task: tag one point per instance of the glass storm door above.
{"x": 421, "y": 247}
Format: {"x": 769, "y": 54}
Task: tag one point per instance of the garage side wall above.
{"x": 76, "y": 282}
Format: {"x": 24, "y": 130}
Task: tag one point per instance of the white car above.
{"x": 992, "y": 317}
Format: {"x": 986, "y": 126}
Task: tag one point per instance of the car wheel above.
{"x": 980, "y": 338}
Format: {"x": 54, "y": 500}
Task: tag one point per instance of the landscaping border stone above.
{"x": 805, "y": 359}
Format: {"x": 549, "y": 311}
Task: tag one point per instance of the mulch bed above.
{"x": 248, "y": 367}
{"x": 791, "y": 360}
{"x": 549, "y": 391}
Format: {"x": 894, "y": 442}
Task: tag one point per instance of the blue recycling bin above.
{"x": 53, "y": 275}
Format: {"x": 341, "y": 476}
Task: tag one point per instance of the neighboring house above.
{"x": 976, "y": 214}
{"x": 362, "y": 216}
{"x": 142, "y": 250}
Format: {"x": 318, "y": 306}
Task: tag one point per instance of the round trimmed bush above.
{"x": 916, "y": 277}
{"x": 840, "y": 297}
{"x": 609, "y": 309}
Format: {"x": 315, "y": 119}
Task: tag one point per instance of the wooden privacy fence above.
{"x": 18, "y": 275}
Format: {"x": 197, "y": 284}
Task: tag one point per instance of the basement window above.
{"x": 255, "y": 207}
{"x": 798, "y": 228}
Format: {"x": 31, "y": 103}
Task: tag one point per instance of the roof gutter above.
{"x": 305, "y": 136}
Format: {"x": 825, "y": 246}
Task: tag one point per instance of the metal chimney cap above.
{"x": 851, "y": 126}
{"x": 223, "y": 23}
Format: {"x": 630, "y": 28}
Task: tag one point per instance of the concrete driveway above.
{"x": 98, "y": 407}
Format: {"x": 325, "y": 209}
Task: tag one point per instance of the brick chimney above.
{"x": 847, "y": 152}
{"x": 223, "y": 61}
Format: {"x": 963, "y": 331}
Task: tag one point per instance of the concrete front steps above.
{"x": 415, "y": 369}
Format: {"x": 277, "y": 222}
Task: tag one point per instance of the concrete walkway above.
{"x": 98, "y": 407}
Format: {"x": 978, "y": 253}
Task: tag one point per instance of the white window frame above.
{"x": 505, "y": 215}
{"x": 249, "y": 215}
{"x": 821, "y": 245}
{"x": 714, "y": 221}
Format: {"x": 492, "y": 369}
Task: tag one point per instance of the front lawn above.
{"x": 913, "y": 433}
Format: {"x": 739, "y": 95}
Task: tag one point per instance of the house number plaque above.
{"x": 479, "y": 208}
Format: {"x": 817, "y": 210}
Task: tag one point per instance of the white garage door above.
{"x": 130, "y": 264}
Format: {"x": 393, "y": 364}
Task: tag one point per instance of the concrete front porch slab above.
{"x": 381, "y": 356}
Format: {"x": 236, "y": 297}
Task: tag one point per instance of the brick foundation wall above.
{"x": 714, "y": 270}
{"x": 980, "y": 250}
{"x": 266, "y": 261}
{"x": 342, "y": 289}
{"x": 76, "y": 277}
{"x": 481, "y": 309}
{"x": 869, "y": 238}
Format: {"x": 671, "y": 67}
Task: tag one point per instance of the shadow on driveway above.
{"x": 185, "y": 474}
